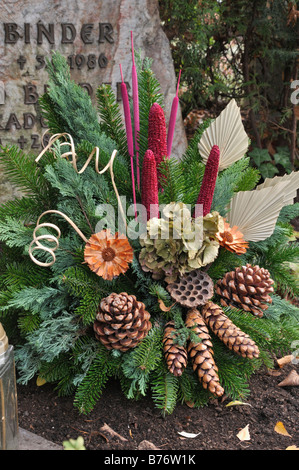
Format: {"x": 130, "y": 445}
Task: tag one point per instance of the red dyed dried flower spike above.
{"x": 149, "y": 185}
{"x": 206, "y": 193}
{"x": 157, "y": 136}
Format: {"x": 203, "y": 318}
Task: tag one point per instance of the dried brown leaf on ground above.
{"x": 285, "y": 360}
{"x": 237, "y": 402}
{"x": 291, "y": 380}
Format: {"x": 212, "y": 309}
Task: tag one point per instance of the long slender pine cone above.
{"x": 232, "y": 336}
{"x": 149, "y": 185}
{"x": 175, "y": 355}
{"x": 202, "y": 355}
{"x": 157, "y": 136}
{"x": 206, "y": 192}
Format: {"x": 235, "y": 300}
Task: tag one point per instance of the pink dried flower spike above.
{"x": 149, "y": 185}
{"x": 206, "y": 193}
{"x": 157, "y": 136}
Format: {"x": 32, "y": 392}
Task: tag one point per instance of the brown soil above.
{"x": 56, "y": 419}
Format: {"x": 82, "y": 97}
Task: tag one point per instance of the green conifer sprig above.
{"x": 67, "y": 108}
{"x": 21, "y": 170}
{"x": 112, "y": 122}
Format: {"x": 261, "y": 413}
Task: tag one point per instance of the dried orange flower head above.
{"x": 232, "y": 239}
{"x": 108, "y": 255}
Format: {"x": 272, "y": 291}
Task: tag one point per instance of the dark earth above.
{"x": 140, "y": 426}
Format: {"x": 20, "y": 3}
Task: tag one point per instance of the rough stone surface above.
{"x": 110, "y": 23}
{"x": 30, "y": 441}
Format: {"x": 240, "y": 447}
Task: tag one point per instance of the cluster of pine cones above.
{"x": 122, "y": 321}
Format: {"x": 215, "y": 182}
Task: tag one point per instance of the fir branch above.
{"x": 112, "y": 122}
{"x": 22, "y": 171}
{"x": 19, "y": 274}
{"x": 70, "y": 105}
{"x": 45, "y": 302}
{"x": 67, "y": 108}
{"x": 191, "y": 391}
{"x": 54, "y": 337}
{"x": 25, "y": 208}
{"x": 288, "y": 213}
{"x": 226, "y": 261}
{"x": 93, "y": 384}
{"x": 139, "y": 363}
{"x": 192, "y": 154}
{"x": 165, "y": 387}
{"x": 227, "y": 182}
{"x": 14, "y": 233}
{"x": 172, "y": 181}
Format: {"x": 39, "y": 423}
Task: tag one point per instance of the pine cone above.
{"x": 121, "y": 322}
{"x": 192, "y": 289}
{"x": 175, "y": 355}
{"x": 234, "y": 338}
{"x": 201, "y": 354}
{"x": 247, "y": 288}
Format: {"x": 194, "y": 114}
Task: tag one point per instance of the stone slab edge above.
{"x": 30, "y": 441}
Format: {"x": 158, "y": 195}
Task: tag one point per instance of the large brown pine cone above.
{"x": 247, "y": 288}
{"x": 202, "y": 355}
{"x": 175, "y": 354}
{"x": 121, "y": 322}
{"x": 234, "y": 338}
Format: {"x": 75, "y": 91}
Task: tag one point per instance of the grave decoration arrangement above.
{"x": 183, "y": 300}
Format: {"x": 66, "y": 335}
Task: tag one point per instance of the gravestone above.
{"x": 95, "y": 37}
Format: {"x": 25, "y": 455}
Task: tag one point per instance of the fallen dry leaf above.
{"x": 244, "y": 435}
{"x": 237, "y": 402}
{"x": 163, "y": 306}
{"x": 280, "y": 429}
{"x": 188, "y": 434}
{"x": 285, "y": 360}
{"x": 191, "y": 404}
{"x": 292, "y": 448}
{"x": 291, "y": 380}
{"x": 40, "y": 381}
{"x": 273, "y": 372}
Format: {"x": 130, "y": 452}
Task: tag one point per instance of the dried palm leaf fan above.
{"x": 256, "y": 212}
{"x": 288, "y": 184}
{"x": 228, "y": 133}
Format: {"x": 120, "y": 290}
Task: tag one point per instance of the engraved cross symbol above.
{"x": 21, "y": 61}
{"x": 22, "y": 141}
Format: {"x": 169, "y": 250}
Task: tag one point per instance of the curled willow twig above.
{"x": 36, "y": 242}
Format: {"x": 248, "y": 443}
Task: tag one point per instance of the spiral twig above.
{"x": 72, "y": 153}
{"x": 36, "y": 242}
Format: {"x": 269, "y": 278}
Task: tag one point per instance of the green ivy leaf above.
{"x": 259, "y": 156}
{"x": 282, "y": 157}
{"x": 268, "y": 170}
